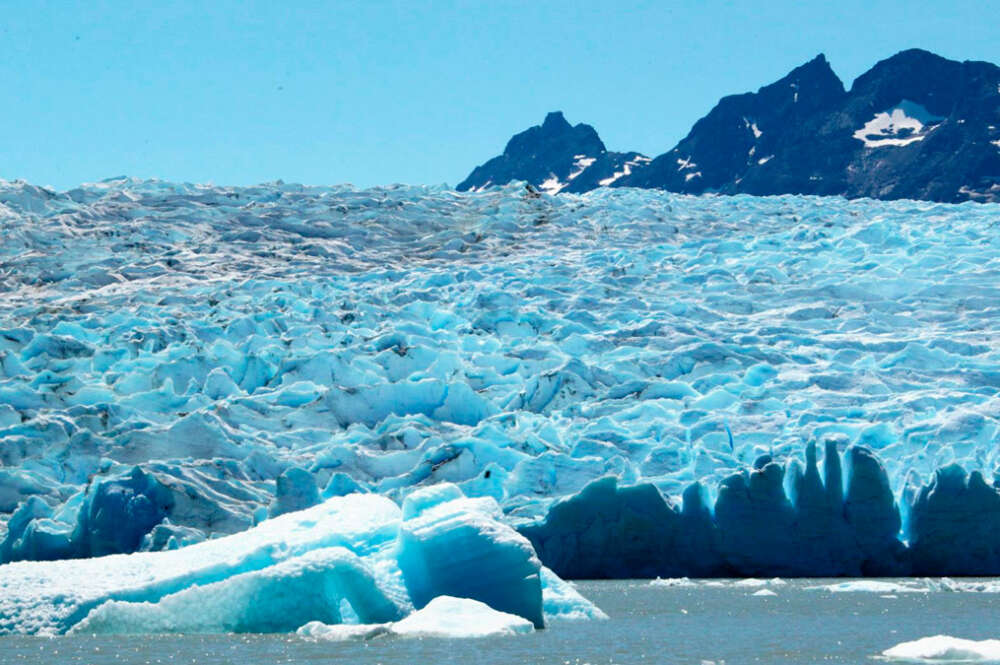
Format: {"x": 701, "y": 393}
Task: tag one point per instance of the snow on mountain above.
{"x": 915, "y": 126}
{"x": 903, "y": 124}
{"x": 555, "y": 157}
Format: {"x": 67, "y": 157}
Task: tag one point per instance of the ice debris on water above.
{"x": 357, "y": 559}
{"x": 945, "y": 649}
{"x": 178, "y": 358}
{"x": 445, "y": 616}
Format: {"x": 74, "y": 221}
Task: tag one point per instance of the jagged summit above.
{"x": 555, "y": 156}
{"x": 916, "y": 125}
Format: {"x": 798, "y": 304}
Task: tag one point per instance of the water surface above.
{"x": 648, "y": 624}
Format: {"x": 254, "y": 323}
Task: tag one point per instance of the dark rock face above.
{"x": 555, "y": 156}
{"x": 749, "y": 142}
{"x": 757, "y": 529}
{"x": 915, "y": 126}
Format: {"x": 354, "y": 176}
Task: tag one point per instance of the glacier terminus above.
{"x": 410, "y": 402}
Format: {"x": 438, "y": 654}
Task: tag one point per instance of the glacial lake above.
{"x": 717, "y": 622}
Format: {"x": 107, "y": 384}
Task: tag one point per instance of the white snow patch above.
{"x": 581, "y": 164}
{"x": 752, "y": 126}
{"x": 689, "y": 176}
{"x": 626, "y": 170}
{"x": 552, "y": 185}
{"x": 685, "y": 163}
{"x": 764, "y": 592}
{"x": 765, "y": 160}
{"x": 996, "y": 143}
{"x": 903, "y": 124}
{"x": 945, "y": 648}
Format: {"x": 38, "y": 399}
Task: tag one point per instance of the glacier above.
{"x": 180, "y": 363}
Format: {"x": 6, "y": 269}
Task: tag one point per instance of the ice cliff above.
{"x": 181, "y": 362}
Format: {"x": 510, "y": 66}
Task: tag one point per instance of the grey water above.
{"x": 648, "y": 624}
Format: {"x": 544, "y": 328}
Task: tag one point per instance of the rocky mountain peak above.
{"x": 916, "y": 125}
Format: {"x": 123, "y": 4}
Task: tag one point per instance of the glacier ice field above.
{"x": 179, "y": 363}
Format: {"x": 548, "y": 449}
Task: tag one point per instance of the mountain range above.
{"x": 914, "y": 126}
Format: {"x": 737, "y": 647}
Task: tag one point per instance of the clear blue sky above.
{"x": 418, "y": 92}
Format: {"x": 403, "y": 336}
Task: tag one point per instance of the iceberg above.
{"x": 348, "y": 560}
{"x": 453, "y": 546}
{"x": 943, "y": 649}
{"x": 444, "y": 617}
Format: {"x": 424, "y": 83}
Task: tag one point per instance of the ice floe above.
{"x": 945, "y": 649}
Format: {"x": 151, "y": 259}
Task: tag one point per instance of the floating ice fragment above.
{"x": 446, "y": 616}
{"x": 944, "y": 648}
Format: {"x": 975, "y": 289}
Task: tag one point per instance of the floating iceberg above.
{"x": 872, "y": 586}
{"x": 349, "y": 560}
{"x": 445, "y": 616}
{"x": 944, "y": 649}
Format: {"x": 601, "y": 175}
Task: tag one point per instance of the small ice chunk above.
{"x": 444, "y": 617}
{"x": 342, "y": 632}
{"x": 750, "y": 582}
{"x": 868, "y": 586}
{"x": 944, "y": 648}
{"x": 447, "y": 616}
{"x": 673, "y": 582}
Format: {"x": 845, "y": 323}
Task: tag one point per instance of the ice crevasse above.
{"x": 357, "y": 560}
